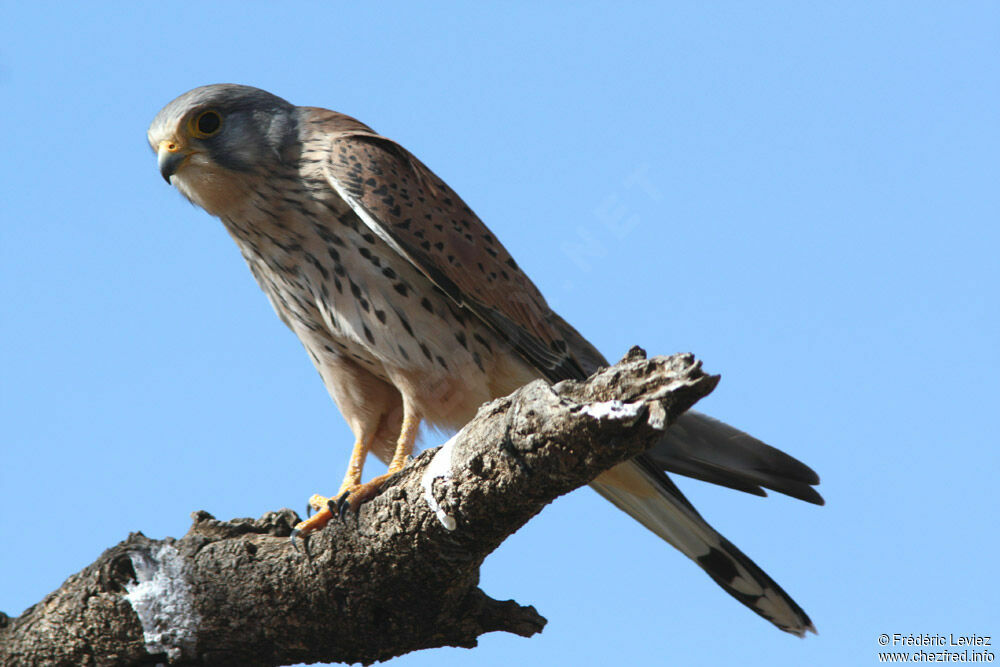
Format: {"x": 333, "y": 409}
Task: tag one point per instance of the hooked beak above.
{"x": 170, "y": 155}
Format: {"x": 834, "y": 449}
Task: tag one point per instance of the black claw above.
{"x": 305, "y": 542}
{"x": 309, "y": 510}
{"x": 342, "y": 505}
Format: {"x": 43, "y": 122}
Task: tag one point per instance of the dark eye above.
{"x": 206, "y": 124}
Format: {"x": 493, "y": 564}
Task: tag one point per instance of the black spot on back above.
{"x": 482, "y": 341}
{"x": 405, "y": 323}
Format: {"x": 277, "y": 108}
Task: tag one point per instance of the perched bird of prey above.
{"x": 413, "y": 311}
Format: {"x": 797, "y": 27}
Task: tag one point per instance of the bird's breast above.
{"x": 345, "y": 292}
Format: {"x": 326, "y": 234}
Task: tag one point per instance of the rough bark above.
{"x": 393, "y": 578}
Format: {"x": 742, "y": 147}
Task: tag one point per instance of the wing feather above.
{"x": 420, "y": 217}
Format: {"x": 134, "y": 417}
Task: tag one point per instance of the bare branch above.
{"x": 400, "y": 576}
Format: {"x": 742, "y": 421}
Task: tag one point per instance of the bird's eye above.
{"x": 206, "y": 124}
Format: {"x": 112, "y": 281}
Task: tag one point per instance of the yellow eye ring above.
{"x": 205, "y": 124}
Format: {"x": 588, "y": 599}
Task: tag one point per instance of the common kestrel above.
{"x": 413, "y": 311}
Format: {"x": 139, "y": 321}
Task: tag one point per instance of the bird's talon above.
{"x": 303, "y": 531}
{"x": 305, "y": 546}
{"x": 343, "y": 505}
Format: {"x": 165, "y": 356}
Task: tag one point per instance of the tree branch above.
{"x": 400, "y": 576}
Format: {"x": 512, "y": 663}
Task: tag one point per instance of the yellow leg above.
{"x": 351, "y": 479}
{"x": 407, "y": 437}
{"x": 357, "y": 464}
{"x": 362, "y": 493}
{"x": 358, "y": 493}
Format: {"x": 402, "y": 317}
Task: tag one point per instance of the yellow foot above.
{"x": 316, "y": 503}
{"x": 316, "y": 522}
{"x": 355, "y": 496}
{"x": 351, "y": 499}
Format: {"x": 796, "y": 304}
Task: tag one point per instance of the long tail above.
{"x": 699, "y": 446}
{"x": 640, "y": 489}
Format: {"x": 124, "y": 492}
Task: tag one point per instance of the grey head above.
{"x": 228, "y": 126}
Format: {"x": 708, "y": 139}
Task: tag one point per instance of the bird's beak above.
{"x": 170, "y": 155}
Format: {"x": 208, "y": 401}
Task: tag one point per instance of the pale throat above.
{"x": 220, "y": 192}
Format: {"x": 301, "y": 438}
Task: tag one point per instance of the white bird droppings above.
{"x": 162, "y": 600}
{"x": 616, "y": 410}
{"x": 440, "y": 466}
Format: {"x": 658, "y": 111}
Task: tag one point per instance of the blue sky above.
{"x": 805, "y": 195}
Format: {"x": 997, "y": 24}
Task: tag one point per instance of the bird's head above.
{"x": 211, "y": 139}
